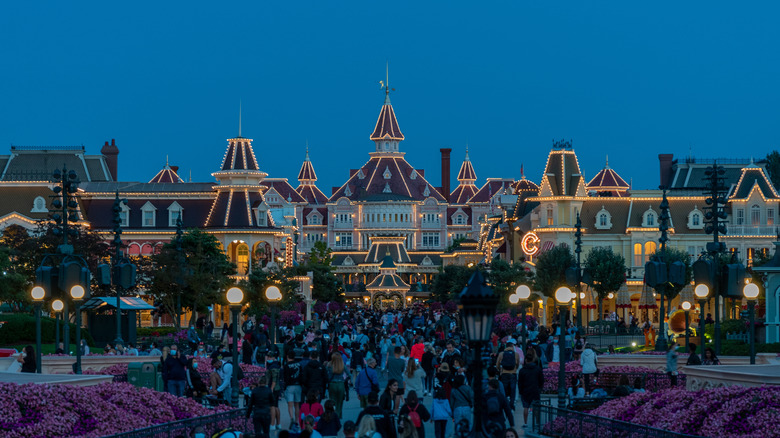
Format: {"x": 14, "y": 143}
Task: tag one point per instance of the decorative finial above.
{"x": 522, "y": 173}
{"x": 239, "y": 118}
{"x": 467, "y": 151}
{"x": 607, "y": 165}
{"x": 166, "y": 161}
{"x": 307, "y": 149}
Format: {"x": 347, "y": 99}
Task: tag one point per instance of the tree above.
{"x": 199, "y": 282}
{"x": 773, "y": 168}
{"x": 258, "y": 281}
{"x": 325, "y": 285}
{"x": 450, "y": 281}
{"x": 607, "y": 270}
{"x": 504, "y": 279}
{"x": 551, "y": 269}
{"x": 13, "y": 285}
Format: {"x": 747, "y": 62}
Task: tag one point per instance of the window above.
{"x": 755, "y": 215}
{"x": 148, "y": 218}
{"x": 124, "y": 216}
{"x": 770, "y": 216}
{"x": 650, "y": 220}
{"x": 262, "y": 217}
{"x": 460, "y": 219}
{"x": 603, "y": 219}
{"x": 649, "y": 250}
{"x": 343, "y": 240}
{"x": 242, "y": 259}
{"x": 549, "y": 216}
{"x": 740, "y": 216}
{"x": 637, "y": 254}
{"x": 430, "y": 240}
{"x": 148, "y": 215}
{"x": 174, "y": 213}
{"x": 696, "y": 220}
{"x": 314, "y": 219}
{"x": 39, "y": 205}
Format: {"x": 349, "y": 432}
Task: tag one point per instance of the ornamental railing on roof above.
{"x": 694, "y": 160}
{"x": 27, "y": 175}
{"x": 47, "y": 148}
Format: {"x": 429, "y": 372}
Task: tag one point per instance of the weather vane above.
{"x": 386, "y": 83}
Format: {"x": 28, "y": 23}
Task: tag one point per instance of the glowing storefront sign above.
{"x": 530, "y": 243}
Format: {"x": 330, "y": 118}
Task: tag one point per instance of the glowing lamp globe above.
{"x": 750, "y": 291}
{"x": 514, "y": 299}
{"x": 37, "y": 293}
{"x": 57, "y": 305}
{"x": 563, "y": 295}
{"x": 611, "y": 295}
{"x": 272, "y": 293}
{"x": 235, "y": 295}
{"x": 686, "y": 305}
{"x": 77, "y": 292}
{"x": 701, "y": 291}
{"x": 582, "y": 295}
{"x": 523, "y": 292}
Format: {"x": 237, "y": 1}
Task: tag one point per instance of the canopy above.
{"x": 125, "y": 303}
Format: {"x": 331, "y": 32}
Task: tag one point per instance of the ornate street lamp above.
{"x": 38, "y": 294}
{"x": 274, "y": 296}
{"x": 521, "y": 295}
{"x": 563, "y": 296}
{"x": 77, "y": 292}
{"x": 477, "y": 309}
{"x": 235, "y": 296}
{"x": 702, "y": 291}
{"x": 57, "y": 306}
{"x": 751, "y": 294}
{"x": 686, "y": 306}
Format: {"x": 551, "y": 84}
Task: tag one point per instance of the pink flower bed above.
{"x": 68, "y": 411}
{"x": 607, "y": 377}
{"x": 733, "y": 411}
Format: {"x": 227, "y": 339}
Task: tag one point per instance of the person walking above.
{"x": 381, "y": 421}
{"x": 671, "y": 364}
{"x": 530, "y": 381}
{"x": 507, "y": 363}
{"x": 261, "y": 400}
{"x": 414, "y": 378}
{"x": 395, "y": 370}
{"x": 367, "y": 381}
{"x": 293, "y": 393}
{"x": 589, "y": 363}
{"x": 461, "y": 400}
{"x": 330, "y": 422}
{"x": 337, "y": 388}
{"x": 496, "y": 407}
{"x": 441, "y": 413}
{"x": 416, "y": 412}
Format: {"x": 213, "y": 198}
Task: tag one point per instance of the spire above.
{"x": 467, "y": 173}
{"x": 606, "y": 166}
{"x": 239, "y": 118}
{"x": 522, "y": 173}
{"x": 386, "y": 128}
{"x": 307, "y": 175}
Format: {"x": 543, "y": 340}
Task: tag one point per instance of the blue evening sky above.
{"x": 625, "y": 79}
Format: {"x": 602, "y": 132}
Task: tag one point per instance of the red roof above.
{"x": 312, "y": 194}
{"x": 385, "y": 175}
{"x": 307, "y": 170}
{"x": 167, "y": 175}
{"x": 607, "y": 180}
{"x": 239, "y": 155}
{"x": 387, "y": 125}
{"x": 467, "y": 170}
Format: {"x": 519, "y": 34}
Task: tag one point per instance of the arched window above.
{"x": 39, "y": 205}
{"x": 650, "y": 220}
{"x": 696, "y": 220}
{"x": 603, "y": 219}
{"x": 649, "y": 250}
{"x": 242, "y": 259}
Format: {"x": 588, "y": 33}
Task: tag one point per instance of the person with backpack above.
{"x": 314, "y": 375}
{"x": 589, "y": 363}
{"x": 496, "y": 407}
{"x": 293, "y": 392}
{"x": 530, "y": 381}
{"x": 259, "y": 407}
{"x": 416, "y": 412}
{"x": 461, "y": 400}
{"x": 367, "y": 381}
{"x": 507, "y": 364}
{"x": 441, "y": 412}
{"x": 381, "y": 421}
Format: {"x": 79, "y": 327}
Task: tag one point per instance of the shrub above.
{"x": 19, "y": 328}
{"x": 154, "y": 331}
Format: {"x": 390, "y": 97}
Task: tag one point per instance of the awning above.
{"x": 125, "y": 303}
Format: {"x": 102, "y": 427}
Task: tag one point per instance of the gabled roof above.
{"x": 386, "y": 175}
{"x": 284, "y": 189}
{"x": 753, "y": 176}
{"x": 312, "y": 194}
{"x": 386, "y": 124}
{"x": 608, "y": 183}
{"x": 239, "y": 155}
{"x": 562, "y": 175}
{"x": 36, "y": 163}
{"x": 167, "y": 174}
{"x": 491, "y": 187}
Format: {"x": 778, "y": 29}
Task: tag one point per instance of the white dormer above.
{"x": 650, "y": 218}
{"x": 175, "y": 211}
{"x": 696, "y": 219}
{"x": 387, "y": 174}
{"x": 124, "y": 216}
{"x": 459, "y": 218}
{"x": 426, "y": 261}
{"x": 261, "y": 215}
{"x": 314, "y": 218}
{"x": 39, "y": 205}
{"x": 413, "y": 174}
{"x": 387, "y": 188}
{"x": 603, "y": 219}
{"x": 348, "y": 262}
{"x": 148, "y": 215}
{"x": 360, "y": 174}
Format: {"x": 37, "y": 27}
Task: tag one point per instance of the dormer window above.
{"x": 174, "y": 213}
{"x": 696, "y": 219}
{"x": 603, "y": 219}
{"x": 148, "y": 215}
{"x": 387, "y": 146}
{"x": 124, "y": 216}
{"x": 261, "y": 217}
{"x": 460, "y": 219}
{"x": 39, "y": 205}
{"x": 550, "y": 221}
{"x": 649, "y": 218}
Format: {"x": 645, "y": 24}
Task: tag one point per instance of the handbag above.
{"x": 374, "y": 386}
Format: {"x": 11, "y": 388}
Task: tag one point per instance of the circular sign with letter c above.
{"x": 530, "y": 244}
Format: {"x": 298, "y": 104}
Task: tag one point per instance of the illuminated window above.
{"x": 770, "y": 216}
{"x": 649, "y": 250}
{"x": 549, "y": 216}
{"x": 242, "y": 259}
{"x": 755, "y": 215}
{"x": 637, "y": 254}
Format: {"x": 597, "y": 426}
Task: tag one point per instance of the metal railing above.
{"x": 556, "y": 422}
{"x": 211, "y": 424}
{"x": 603, "y": 341}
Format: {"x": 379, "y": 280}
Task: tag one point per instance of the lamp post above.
{"x": 563, "y": 296}
{"x": 686, "y": 306}
{"x": 38, "y": 293}
{"x": 578, "y": 251}
{"x": 77, "y": 293}
{"x": 521, "y": 295}
{"x": 273, "y": 295}
{"x": 57, "y": 307}
{"x": 701, "y": 291}
{"x": 477, "y": 309}
{"x": 751, "y": 294}
{"x": 235, "y": 296}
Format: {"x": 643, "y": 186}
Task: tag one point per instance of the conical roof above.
{"x": 387, "y": 125}
{"x": 467, "y": 170}
{"x": 608, "y": 182}
{"x": 239, "y": 155}
{"x": 307, "y": 170}
{"x": 168, "y": 174}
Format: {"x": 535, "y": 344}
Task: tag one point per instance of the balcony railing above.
{"x": 749, "y": 230}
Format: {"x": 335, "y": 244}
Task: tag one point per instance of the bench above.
{"x": 588, "y": 403}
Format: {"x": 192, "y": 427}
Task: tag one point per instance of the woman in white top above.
{"x": 413, "y": 378}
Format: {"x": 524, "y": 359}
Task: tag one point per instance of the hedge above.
{"x": 19, "y": 328}
{"x": 739, "y": 348}
{"x": 155, "y": 331}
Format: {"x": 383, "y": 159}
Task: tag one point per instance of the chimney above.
{"x": 175, "y": 169}
{"x": 111, "y": 152}
{"x": 665, "y": 163}
{"x": 445, "y": 172}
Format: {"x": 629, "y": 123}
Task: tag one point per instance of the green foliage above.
{"x": 773, "y": 168}
{"x": 607, "y": 270}
{"x": 155, "y": 331}
{"x": 674, "y": 255}
{"x": 325, "y": 285}
{"x": 13, "y": 285}
{"x": 19, "y": 328}
{"x": 726, "y": 326}
{"x": 504, "y": 279}
{"x": 205, "y": 274}
{"x": 455, "y": 244}
{"x": 551, "y": 269}
{"x": 450, "y": 281}
{"x": 739, "y": 348}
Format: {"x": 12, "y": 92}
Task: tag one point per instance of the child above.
{"x": 441, "y": 414}
{"x": 311, "y": 407}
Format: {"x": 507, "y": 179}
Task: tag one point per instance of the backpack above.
{"x": 240, "y": 374}
{"x": 414, "y": 417}
{"x": 508, "y": 360}
{"x": 493, "y": 405}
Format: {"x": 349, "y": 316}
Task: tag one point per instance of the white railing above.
{"x": 758, "y": 230}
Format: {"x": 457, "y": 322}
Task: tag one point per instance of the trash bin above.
{"x": 142, "y": 374}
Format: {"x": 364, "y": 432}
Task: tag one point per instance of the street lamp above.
{"x": 235, "y": 296}
{"x": 77, "y": 292}
{"x": 38, "y": 293}
{"x": 522, "y": 294}
{"x": 563, "y": 296}
{"x": 686, "y": 306}
{"x": 701, "y": 291}
{"x": 57, "y": 307}
{"x": 477, "y": 309}
{"x": 273, "y": 295}
{"x": 751, "y": 294}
